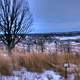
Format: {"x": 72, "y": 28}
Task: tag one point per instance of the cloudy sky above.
{"x": 55, "y": 15}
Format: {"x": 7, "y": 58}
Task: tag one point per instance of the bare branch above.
{"x": 15, "y": 18}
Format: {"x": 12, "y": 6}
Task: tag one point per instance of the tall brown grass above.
{"x": 36, "y": 62}
{"x": 5, "y": 65}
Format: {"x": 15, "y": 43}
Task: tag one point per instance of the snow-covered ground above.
{"x": 66, "y": 38}
{"x": 51, "y": 46}
{"x": 46, "y": 75}
{"x": 25, "y": 75}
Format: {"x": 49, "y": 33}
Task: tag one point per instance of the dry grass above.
{"x": 5, "y": 65}
{"x": 36, "y": 62}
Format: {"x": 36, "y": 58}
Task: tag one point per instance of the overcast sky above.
{"x": 55, "y": 15}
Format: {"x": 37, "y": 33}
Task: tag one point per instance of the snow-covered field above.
{"x": 50, "y": 47}
{"x": 23, "y": 74}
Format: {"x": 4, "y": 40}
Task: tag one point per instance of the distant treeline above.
{"x": 59, "y": 34}
{"x": 55, "y": 34}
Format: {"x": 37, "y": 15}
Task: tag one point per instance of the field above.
{"x": 38, "y": 62}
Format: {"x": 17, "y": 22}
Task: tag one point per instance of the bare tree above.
{"x": 15, "y": 21}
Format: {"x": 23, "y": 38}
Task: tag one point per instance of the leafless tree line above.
{"x": 59, "y": 46}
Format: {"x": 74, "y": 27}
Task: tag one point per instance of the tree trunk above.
{"x": 28, "y": 48}
{"x": 8, "y": 50}
{"x": 42, "y": 48}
